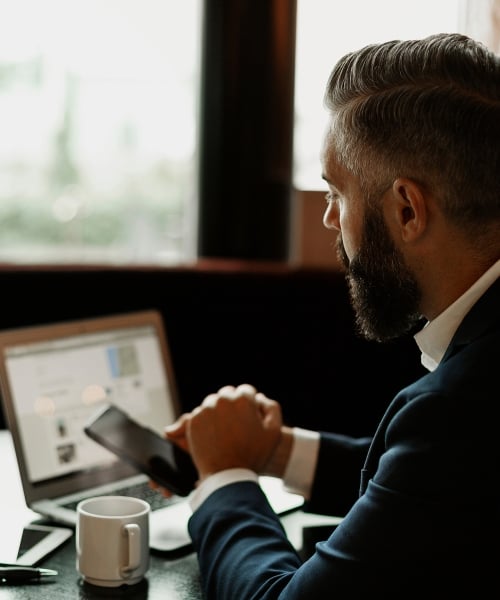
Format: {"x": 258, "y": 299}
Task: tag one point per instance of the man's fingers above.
{"x": 245, "y": 389}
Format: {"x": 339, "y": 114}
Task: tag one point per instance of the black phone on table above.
{"x": 143, "y": 448}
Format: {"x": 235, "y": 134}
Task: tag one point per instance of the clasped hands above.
{"x": 236, "y": 427}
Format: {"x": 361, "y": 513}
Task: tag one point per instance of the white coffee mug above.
{"x": 112, "y": 540}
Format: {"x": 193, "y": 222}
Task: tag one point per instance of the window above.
{"x": 98, "y": 102}
{"x": 326, "y": 31}
{"x": 99, "y": 131}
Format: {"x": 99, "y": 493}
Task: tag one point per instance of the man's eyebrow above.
{"x": 328, "y": 180}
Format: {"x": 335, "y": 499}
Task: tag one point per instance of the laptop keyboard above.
{"x": 140, "y": 490}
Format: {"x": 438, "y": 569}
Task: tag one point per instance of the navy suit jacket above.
{"x": 421, "y": 502}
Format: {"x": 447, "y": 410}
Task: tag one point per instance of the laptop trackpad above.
{"x": 168, "y": 527}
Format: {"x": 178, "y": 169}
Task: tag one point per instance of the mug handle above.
{"x": 133, "y": 533}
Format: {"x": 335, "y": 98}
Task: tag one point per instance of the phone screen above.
{"x": 29, "y": 544}
{"x": 144, "y": 449}
{"x": 29, "y": 538}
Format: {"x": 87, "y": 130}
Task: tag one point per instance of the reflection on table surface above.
{"x": 171, "y": 576}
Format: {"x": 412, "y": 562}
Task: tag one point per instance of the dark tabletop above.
{"x": 172, "y": 577}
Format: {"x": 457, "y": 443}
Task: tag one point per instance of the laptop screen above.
{"x": 54, "y": 378}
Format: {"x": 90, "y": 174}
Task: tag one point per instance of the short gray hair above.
{"x": 425, "y": 109}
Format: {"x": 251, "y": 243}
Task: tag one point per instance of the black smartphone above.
{"x": 143, "y": 448}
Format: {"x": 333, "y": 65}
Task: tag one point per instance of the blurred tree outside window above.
{"x": 98, "y": 126}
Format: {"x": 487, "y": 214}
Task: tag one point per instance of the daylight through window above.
{"x": 98, "y": 103}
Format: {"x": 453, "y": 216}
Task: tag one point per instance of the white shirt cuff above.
{"x": 299, "y": 473}
{"x": 298, "y": 476}
{"x": 218, "y": 480}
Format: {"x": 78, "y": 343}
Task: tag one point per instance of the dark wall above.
{"x": 287, "y": 331}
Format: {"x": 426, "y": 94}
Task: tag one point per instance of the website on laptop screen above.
{"x": 57, "y": 385}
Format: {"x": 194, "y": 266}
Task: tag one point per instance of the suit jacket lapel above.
{"x": 483, "y": 316}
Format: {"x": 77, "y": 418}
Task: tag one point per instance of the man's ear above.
{"x": 410, "y": 208}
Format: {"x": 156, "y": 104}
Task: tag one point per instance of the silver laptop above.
{"x": 52, "y": 379}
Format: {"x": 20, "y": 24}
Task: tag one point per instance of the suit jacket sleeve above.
{"x": 337, "y": 478}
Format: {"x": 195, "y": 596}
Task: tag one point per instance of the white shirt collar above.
{"x": 436, "y": 335}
